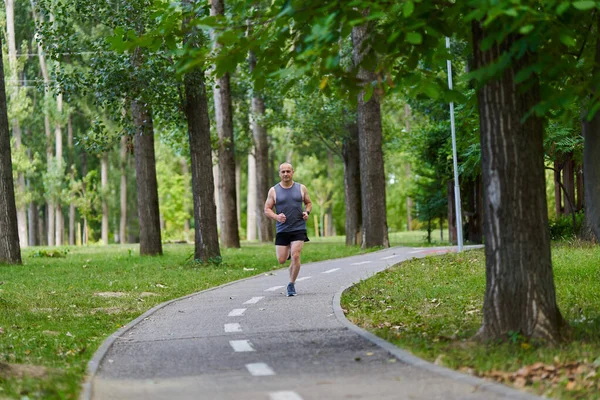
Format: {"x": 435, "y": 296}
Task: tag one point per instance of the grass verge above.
{"x": 59, "y": 306}
{"x": 432, "y": 307}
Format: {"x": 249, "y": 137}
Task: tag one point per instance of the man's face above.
{"x": 286, "y": 172}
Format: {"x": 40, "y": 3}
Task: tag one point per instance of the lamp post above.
{"x": 459, "y": 232}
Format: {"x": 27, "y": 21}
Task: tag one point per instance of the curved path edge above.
{"x": 94, "y": 363}
{"x": 411, "y": 359}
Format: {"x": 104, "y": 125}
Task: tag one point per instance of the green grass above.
{"x": 56, "y": 309}
{"x": 432, "y": 307}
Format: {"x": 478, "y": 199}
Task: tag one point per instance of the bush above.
{"x": 562, "y": 227}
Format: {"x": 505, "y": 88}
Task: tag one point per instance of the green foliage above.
{"x": 562, "y": 228}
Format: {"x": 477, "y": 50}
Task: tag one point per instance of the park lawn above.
{"x": 62, "y": 303}
{"x": 432, "y": 307}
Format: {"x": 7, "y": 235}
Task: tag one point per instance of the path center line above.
{"x": 274, "y": 288}
{"x": 330, "y": 271}
{"x": 254, "y": 300}
{"x": 284, "y": 395}
{"x": 303, "y": 278}
{"x": 388, "y": 257}
{"x": 241, "y": 345}
{"x": 362, "y": 262}
{"x": 233, "y": 327}
{"x": 259, "y": 369}
{"x": 236, "y": 312}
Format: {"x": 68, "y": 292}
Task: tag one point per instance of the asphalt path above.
{"x": 248, "y": 340}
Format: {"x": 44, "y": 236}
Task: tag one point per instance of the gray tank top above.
{"x": 289, "y": 202}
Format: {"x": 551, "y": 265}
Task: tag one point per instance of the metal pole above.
{"x": 459, "y": 232}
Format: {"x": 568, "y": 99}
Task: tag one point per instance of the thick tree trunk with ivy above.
{"x": 372, "y": 175}
{"x": 10, "y": 252}
{"x": 147, "y": 187}
{"x": 230, "y": 236}
{"x": 350, "y": 155}
{"x": 520, "y": 293}
{"x": 591, "y": 161}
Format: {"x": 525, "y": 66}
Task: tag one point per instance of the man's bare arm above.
{"x": 269, "y": 204}
{"x": 307, "y": 203}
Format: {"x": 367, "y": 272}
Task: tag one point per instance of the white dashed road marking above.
{"x": 284, "y": 396}
{"x": 254, "y": 300}
{"x": 241, "y": 345}
{"x": 388, "y": 257}
{"x": 259, "y": 369}
{"x": 303, "y": 278}
{"x": 233, "y": 327}
{"x": 416, "y": 251}
{"x": 362, "y": 262}
{"x": 274, "y": 288}
{"x": 330, "y": 271}
{"x": 236, "y": 312}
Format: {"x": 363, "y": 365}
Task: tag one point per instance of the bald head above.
{"x": 286, "y": 166}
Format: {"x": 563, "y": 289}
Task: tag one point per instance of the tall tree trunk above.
{"x": 591, "y": 161}
{"x": 230, "y": 236}
{"x": 215, "y": 172}
{"x": 372, "y": 175}
{"x": 60, "y": 223}
{"x": 205, "y": 213}
{"x": 238, "y": 199}
{"x": 409, "y": 202}
{"x": 569, "y": 184}
{"x": 147, "y": 187}
{"x": 72, "y": 227}
{"x": 452, "y": 229}
{"x": 475, "y": 201}
{"x": 261, "y": 154}
{"x": 251, "y": 228}
{"x": 350, "y": 155}
{"x": 33, "y": 217}
{"x": 520, "y": 294}
{"x": 10, "y": 252}
{"x": 123, "y": 190}
{"x": 579, "y": 187}
{"x": 196, "y": 110}
{"x": 557, "y": 190}
{"x": 329, "y": 231}
{"x": 50, "y": 208}
{"x": 20, "y": 188}
{"x": 104, "y": 191}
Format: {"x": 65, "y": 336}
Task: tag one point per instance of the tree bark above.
{"x": 557, "y": 191}
{"x": 58, "y": 141}
{"x": 372, "y": 175}
{"x": 205, "y": 213}
{"x": 230, "y": 235}
{"x": 147, "y": 187}
{"x": 350, "y": 155}
{"x": 203, "y": 185}
{"x": 20, "y": 189}
{"x": 475, "y": 212}
{"x": 104, "y": 194}
{"x": 251, "y": 229}
{"x": 123, "y": 190}
{"x": 261, "y": 154}
{"x": 591, "y": 161}
{"x": 10, "y": 252}
{"x": 452, "y": 229}
{"x": 569, "y": 184}
{"x": 520, "y": 294}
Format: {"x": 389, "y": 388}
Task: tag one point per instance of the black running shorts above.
{"x": 285, "y": 238}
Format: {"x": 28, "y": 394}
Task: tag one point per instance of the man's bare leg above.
{"x": 296, "y": 248}
{"x": 282, "y": 252}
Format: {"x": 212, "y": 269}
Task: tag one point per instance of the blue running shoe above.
{"x": 291, "y": 289}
